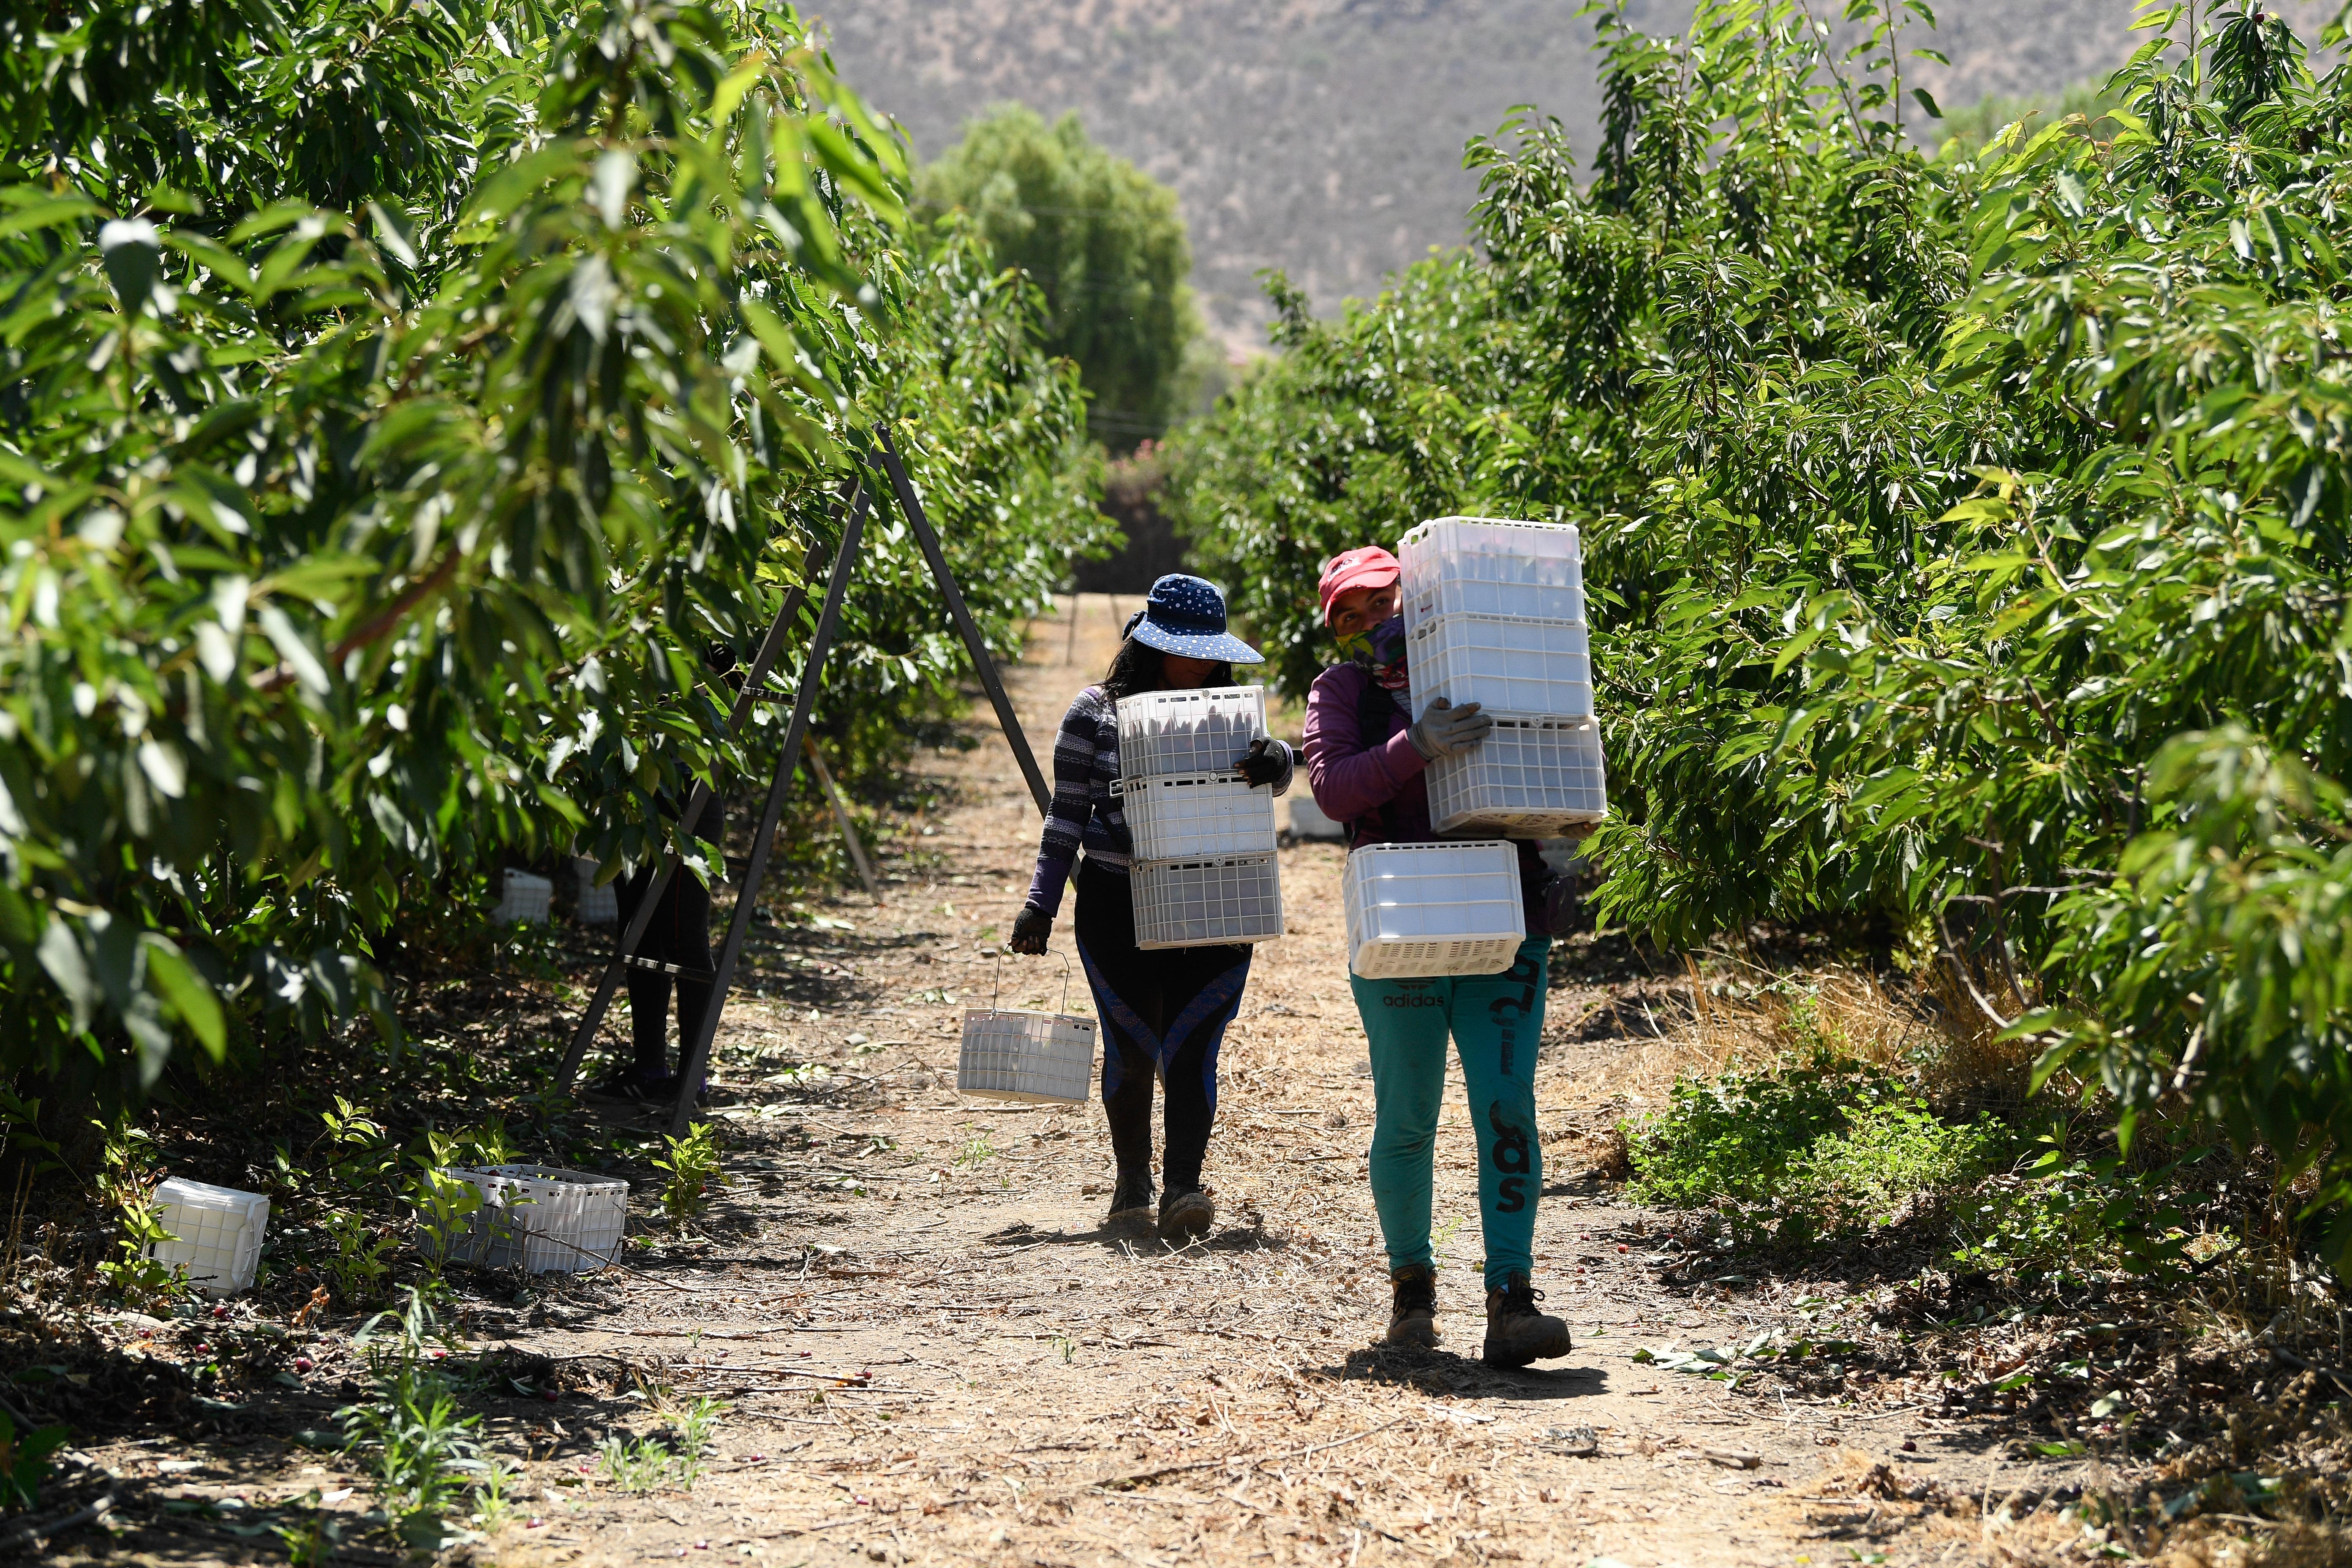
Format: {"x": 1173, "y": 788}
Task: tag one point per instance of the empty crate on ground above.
{"x": 596, "y": 905}
{"x": 1417, "y": 909}
{"x": 1529, "y": 669}
{"x": 216, "y": 1233}
{"x": 1025, "y": 1055}
{"x": 542, "y": 1219}
{"x": 1489, "y": 566}
{"x": 526, "y": 897}
{"x": 1529, "y": 778}
{"x": 1307, "y": 820}
{"x": 1185, "y": 818}
{"x": 1200, "y": 903}
{"x": 1187, "y": 735}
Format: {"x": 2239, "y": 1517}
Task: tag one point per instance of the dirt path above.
{"x": 931, "y": 1350}
{"x": 1028, "y": 1386}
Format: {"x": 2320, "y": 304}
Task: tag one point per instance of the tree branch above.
{"x": 378, "y": 626}
{"x": 1960, "y": 967}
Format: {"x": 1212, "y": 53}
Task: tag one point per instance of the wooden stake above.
{"x": 840, "y": 815}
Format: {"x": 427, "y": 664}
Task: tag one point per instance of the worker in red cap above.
{"x": 1365, "y": 759}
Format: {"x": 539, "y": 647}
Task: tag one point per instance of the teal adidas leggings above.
{"x": 1496, "y": 1021}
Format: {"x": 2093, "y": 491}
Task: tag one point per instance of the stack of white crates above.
{"x": 1204, "y": 869}
{"x": 1494, "y": 613}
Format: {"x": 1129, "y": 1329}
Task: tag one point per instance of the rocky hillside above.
{"x": 1325, "y": 136}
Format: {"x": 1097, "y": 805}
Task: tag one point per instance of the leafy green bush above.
{"x": 1812, "y": 1147}
{"x": 1966, "y": 535}
{"x": 1891, "y": 1155}
{"x": 1736, "y": 1136}
{"x": 2070, "y": 1215}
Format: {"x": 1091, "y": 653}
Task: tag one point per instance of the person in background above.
{"x": 1163, "y": 1013}
{"x": 1365, "y": 759}
{"x": 679, "y": 934}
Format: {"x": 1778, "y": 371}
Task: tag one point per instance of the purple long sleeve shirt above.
{"x": 1374, "y": 784}
{"x": 1356, "y": 775}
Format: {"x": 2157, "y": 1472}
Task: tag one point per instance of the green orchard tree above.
{"x": 400, "y": 405}
{"x": 1967, "y": 534}
{"x": 1101, "y": 239}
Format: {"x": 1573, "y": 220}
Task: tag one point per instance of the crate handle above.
{"x": 996, "y": 987}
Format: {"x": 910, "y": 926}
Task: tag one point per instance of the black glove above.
{"x": 1261, "y": 764}
{"x": 1031, "y": 927}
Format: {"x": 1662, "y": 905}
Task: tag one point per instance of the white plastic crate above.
{"x": 1529, "y": 669}
{"x": 217, "y": 1232}
{"x": 527, "y": 899}
{"x": 1178, "y": 818}
{"x": 1417, "y": 909}
{"x": 1200, "y": 903}
{"x": 542, "y": 1220}
{"x": 1188, "y": 734}
{"x": 1031, "y": 1056}
{"x": 1528, "y": 779}
{"x": 596, "y": 905}
{"x": 1489, "y": 566}
{"x": 1307, "y": 820}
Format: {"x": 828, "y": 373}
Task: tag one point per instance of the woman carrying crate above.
{"x": 1163, "y": 1013}
{"x": 1365, "y": 758}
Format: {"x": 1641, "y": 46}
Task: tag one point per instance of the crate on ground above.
{"x": 1030, "y": 1057}
{"x": 1529, "y": 778}
{"x": 1176, "y": 817}
{"x": 1527, "y": 669}
{"x": 1490, "y": 566}
{"x": 542, "y": 1219}
{"x": 1200, "y": 903}
{"x": 1418, "y": 910}
{"x": 1188, "y": 734}
{"x": 1307, "y": 820}
{"x": 526, "y": 898}
{"x": 594, "y": 905}
{"x": 216, "y": 1233}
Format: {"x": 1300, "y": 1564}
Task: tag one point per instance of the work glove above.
{"x": 1445, "y": 731}
{"x": 1031, "y": 927}
{"x": 1263, "y": 764}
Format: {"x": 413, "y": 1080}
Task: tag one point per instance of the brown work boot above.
{"x": 1517, "y": 1332}
{"x": 1413, "y": 1310}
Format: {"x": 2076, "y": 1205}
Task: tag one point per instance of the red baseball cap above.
{"x": 1368, "y": 567}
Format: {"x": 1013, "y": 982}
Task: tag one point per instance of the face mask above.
{"x": 1380, "y": 650}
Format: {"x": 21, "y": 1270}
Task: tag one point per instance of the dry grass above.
{"x": 1733, "y": 1012}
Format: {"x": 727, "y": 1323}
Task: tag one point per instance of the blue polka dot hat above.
{"x": 1186, "y": 616}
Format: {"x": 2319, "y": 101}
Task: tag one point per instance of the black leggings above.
{"x": 1163, "y": 1014}
{"x": 680, "y": 933}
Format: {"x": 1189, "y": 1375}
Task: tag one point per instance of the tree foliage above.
{"x": 401, "y": 402}
{"x": 1967, "y": 536}
{"x": 1102, "y": 239}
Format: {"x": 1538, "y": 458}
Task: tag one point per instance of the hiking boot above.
{"x": 1186, "y": 1216}
{"x": 1132, "y": 1195}
{"x": 1413, "y": 1310}
{"x": 1517, "y": 1332}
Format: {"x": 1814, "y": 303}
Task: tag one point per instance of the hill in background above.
{"x": 1325, "y": 136}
